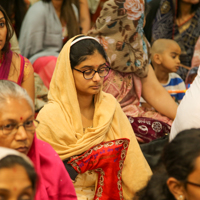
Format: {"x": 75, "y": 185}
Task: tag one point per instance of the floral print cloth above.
{"x": 119, "y": 29}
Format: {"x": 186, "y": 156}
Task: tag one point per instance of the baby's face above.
{"x": 170, "y": 60}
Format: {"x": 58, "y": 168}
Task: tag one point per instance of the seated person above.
{"x": 165, "y": 61}
{"x": 17, "y": 176}
{"x": 177, "y": 20}
{"x": 188, "y": 116}
{"x": 14, "y": 67}
{"x": 80, "y": 118}
{"x": 178, "y": 179}
{"x": 47, "y": 25}
{"x": 17, "y": 131}
{"x": 119, "y": 28}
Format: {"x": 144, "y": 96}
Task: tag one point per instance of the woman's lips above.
{"x": 95, "y": 87}
{"x": 22, "y": 149}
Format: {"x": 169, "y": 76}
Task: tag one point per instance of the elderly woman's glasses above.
{"x": 12, "y": 128}
{"x": 89, "y": 73}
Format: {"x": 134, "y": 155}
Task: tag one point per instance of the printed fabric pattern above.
{"x": 120, "y": 30}
{"x": 107, "y": 160}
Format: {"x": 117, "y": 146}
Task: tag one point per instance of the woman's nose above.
{"x": 96, "y": 77}
{"x": 21, "y": 133}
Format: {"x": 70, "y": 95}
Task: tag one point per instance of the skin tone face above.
{"x": 16, "y": 111}
{"x": 15, "y": 184}
{"x": 190, "y": 1}
{"x": 192, "y": 192}
{"x": 170, "y": 58}
{"x": 89, "y": 87}
{"x": 3, "y": 30}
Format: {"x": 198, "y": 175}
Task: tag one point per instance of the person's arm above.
{"x": 28, "y": 82}
{"x": 85, "y": 21}
{"x": 155, "y": 94}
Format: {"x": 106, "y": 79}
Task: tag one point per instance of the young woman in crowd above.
{"x": 178, "y": 20}
{"x": 79, "y": 116}
{"x": 17, "y": 176}
{"x": 17, "y": 131}
{"x": 47, "y": 25}
{"x": 16, "y": 10}
{"x": 119, "y": 29}
{"x": 13, "y": 66}
{"x": 179, "y": 179}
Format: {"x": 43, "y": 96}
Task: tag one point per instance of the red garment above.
{"x": 44, "y": 67}
{"x": 106, "y": 159}
{"x": 149, "y": 129}
{"x": 54, "y": 181}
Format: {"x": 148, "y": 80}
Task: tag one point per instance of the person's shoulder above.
{"x": 37, "y": 9}
{"x": 175, "y": 76}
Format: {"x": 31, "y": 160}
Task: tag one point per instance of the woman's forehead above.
{"x": 94, "y": 60}
{"x": 16, "y": 109}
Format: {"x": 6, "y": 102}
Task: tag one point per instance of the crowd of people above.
{"x": 88, "y": 89}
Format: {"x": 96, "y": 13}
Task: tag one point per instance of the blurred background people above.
{"x": 178, "y": 20}
{"x": 119, "y": 29}
{"x": 47, "y": 25}
{"x": 14, "y": 67}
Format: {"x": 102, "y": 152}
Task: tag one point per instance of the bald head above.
{"x": 160, "y": 45}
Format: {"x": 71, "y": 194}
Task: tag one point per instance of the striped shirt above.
{"x": 175, "y": 82}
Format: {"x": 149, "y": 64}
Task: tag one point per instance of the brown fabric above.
{"x": 119, "y": 29}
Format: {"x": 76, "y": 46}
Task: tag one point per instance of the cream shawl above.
{"x": 61, "y": 125}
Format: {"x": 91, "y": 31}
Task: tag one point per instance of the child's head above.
{"x": 165, "y": 54}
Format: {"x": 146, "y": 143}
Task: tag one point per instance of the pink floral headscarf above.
{"x": 119, "y": 29}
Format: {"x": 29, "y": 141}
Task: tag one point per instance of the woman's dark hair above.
{"x": 83, "y": 48}
{"x": 12, "y": 160}
{"x": 9, "y": 31}
{"x": 16, "y": 10}
{"x": 67, "y": 13}
{"x": 194, "y": 8}
{"x": 179, "y": 158}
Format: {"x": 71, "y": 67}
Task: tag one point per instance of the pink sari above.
{"x": 54, "y": 181}
{"x": 44, "y": 67}
{"x": 5, "y": 67}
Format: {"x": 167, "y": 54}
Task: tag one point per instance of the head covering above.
{"x": 61, "y": 125}
{"x": 119, "y": 29}
{"x": 7, "y": 152}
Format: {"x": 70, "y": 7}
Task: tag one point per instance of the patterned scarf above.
{"x": 119, "y": 29}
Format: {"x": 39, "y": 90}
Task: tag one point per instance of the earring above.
{"x": 180, "y": 197}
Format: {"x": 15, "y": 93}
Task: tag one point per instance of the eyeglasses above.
{"x": 89, "y": 73}
{"x": 11, "y": 129}
{"x": 195, "y": 184}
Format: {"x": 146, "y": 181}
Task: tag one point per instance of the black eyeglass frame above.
{"x": 96, "y": 71}
{"x": 18, "y": 125}
{"x": 191, "y": 183}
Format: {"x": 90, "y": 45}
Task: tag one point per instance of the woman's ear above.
{"x": 157, "y": 58}
{"x": 176, "y": 188}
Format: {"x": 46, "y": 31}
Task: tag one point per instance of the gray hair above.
{"x": 9, "y": 89}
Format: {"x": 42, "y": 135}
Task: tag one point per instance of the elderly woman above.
{"x": 17, "y": 131}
